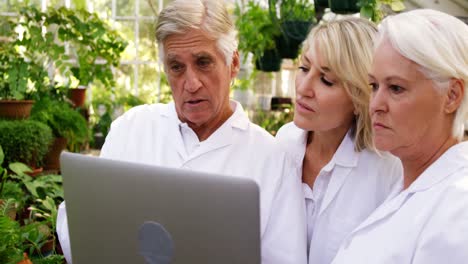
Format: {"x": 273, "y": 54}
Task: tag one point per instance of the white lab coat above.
{"x": 150, "y": 134}
{"x": 359, "y": 182}
{"x": 424, "y": 224}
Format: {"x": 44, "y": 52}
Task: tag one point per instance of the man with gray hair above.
{"x": 203, "y": 130}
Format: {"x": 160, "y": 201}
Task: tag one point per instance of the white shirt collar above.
{"x": 238, "y": 119}
{"x": 344, "y": 156}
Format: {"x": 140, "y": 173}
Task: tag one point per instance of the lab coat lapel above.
{"x": 385, "y": 210}
{"x": 344, "y": 160}
{"x": 436, "y": 173}
{"x": 335, "y": 184}
{"x": 174, "y": 137}
{"x": 224, "y": 135}
{"x": 221, "y": 138}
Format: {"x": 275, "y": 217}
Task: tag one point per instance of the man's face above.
{"x": 199, "y": 79}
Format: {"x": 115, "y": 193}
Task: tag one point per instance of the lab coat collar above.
{"x": 238, "y": 119}
{"x": 223, "y": 136}
{"x": 345, "y": 155}
{"x": 344, "y": 160}
{"x": 220, "y": 138}
{"x": 452, "y": 160}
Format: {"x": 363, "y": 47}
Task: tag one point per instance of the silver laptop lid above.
{"x": 121, "y": 212}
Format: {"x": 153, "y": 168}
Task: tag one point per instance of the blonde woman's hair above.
{"x": 211, "y": 16}
{"x": 438, "y": 43}
{"x": 346, "y": 45}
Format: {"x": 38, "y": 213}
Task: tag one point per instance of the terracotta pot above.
{"x": 35, "y": 172}
{"x": 15, "y": 109}
{"x": 25, "y": 260}
{"x": 78, "y": 96}
{"x": 52, "y": 159}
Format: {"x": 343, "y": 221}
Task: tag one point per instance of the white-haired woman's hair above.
{"x": 211, "y": 16}
{"x": 438, "y": 43}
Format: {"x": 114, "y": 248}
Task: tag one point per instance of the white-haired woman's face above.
{"x": 406, "y": 109}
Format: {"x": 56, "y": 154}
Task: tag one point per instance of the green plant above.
{"x": 20, "y": 77}
{"x": 25, "y": 141}
{"x": 295, "y": 10}
{"x": 271, "y": 121}
{"x": 11, "y": 241}
{"x": 257, "y": 32}
{"x": 41, "y": 195}
{"x": 37, "y": 40}
{"x": 374, "y": 9}
{"x": 91, "y": 40}
{"x": 63, "y": 120}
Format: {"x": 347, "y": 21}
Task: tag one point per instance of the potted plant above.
{"x": 69, "y": 128}
{"x": 257, "y": 35}
{"x": 93, "y": 44}
{"x": 296, "y": 17}
{"x": 25, "y": 141}
{"x": 27, "y": 237}
{"x": 20, "y": 77}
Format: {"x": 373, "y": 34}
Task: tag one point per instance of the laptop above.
{"x": 121, "y": 212}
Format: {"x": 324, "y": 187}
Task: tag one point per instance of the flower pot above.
{"x": 78, "y": 96}
{"x": 294, "y": 33}
{"x": 343, "y": 6}
{"x": 35, "y": 171}
{"x": 52, "y": 158}
{"x": 269, "y": 62}
{"x": 15, "y": 109}
{"x": 99, "y": 140}
{"x": 322, "y": 3}
{"x": 25, "y": 260}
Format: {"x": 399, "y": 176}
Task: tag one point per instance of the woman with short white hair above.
{"x": 418, "y": 108}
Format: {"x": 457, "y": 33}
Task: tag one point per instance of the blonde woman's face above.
{"x": 405, "y": 107}
{"x": 322, "y": 103}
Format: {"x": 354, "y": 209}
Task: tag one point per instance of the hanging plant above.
{"x": 374, "y": 9}
{"x": 257, "y": 34}
{"x": 296, "y": 17}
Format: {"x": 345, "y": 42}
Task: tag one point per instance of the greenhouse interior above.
{"x": 73, "y": 67}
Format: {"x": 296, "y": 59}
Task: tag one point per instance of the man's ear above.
{"x": 235, "y": 65}
{"x": 455, "y": 95}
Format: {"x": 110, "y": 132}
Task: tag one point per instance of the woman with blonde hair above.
{"x": 330, "y": 140}
{"x": 418, "y": 107}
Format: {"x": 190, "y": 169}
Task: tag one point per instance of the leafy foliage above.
{"x": 257, "y": 32}
{"x": 296, "y": 10}
{"x": 24, "y": 141}
{"x": 271, "y": 121}
{"x": 20, "y": 77}
{"x": 11, "y": 248}
{"x": 62, "y": 119}
{"x": 36, "y": 40}
{"x": 42, "y": 195}
{"x": 374, "y": 9}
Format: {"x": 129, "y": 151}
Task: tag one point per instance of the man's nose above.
{"x": 192, "y": 81}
